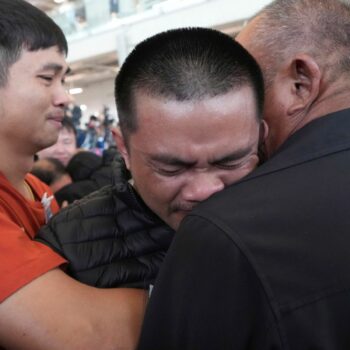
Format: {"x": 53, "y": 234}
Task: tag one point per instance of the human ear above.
{"x": 263, "y": 131}
{"x": 121, "y": 145}
{"x": 305, "y": 75}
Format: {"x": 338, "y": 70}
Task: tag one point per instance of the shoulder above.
{"x": 105, "y": 214}
{"x": 99, "y": 204}
{"x": 106, "y": 201}
{"x": 201, "y": 263}
{"x": 37, "y": 185}
{"x": 80, "y": 220}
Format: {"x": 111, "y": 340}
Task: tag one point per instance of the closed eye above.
{"x": 46, "y": 77}
{"x": 170, "y": 172}
{"x": 68, "y": 142}
{"x": 227, "y": 165}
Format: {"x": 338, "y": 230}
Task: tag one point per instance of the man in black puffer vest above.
{"x": 189, "y": 103}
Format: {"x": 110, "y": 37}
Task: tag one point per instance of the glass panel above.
{"x": 82, "y": 15}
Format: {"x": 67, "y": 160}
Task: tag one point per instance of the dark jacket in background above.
{"x": 264, "y": 264}
{"x": 90, "y": 172}
{"x": 110, "y": 238}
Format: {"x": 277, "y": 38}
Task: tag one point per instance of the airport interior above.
{"x": 101, "y": 33}
{"x": 212, "y": 213}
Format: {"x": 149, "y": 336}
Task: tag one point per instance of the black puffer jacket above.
{"x": 110, "y": 238}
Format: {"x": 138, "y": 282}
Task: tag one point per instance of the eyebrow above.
{"x": 55, "y": 67}
{"x": 174, "y": 161}
{"x": 236, "y": 155}
{"x": 171, "y": 160}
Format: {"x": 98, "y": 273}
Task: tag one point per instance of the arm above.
{"x": 56, "y": 312}
{"x": 106, "y": 247}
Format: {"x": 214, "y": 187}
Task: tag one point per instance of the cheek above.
{"x": 53, "y": 150}
{"x": 160, "y": 190}
{"x": 167, "y": 188}
{"x": 238, "y": 174}
{"x": 70, "y": 149}
{"x": 36, "y": 99}
{"x": 156, "y": 190}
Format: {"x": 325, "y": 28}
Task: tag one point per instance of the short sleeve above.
{"x": 21, "y": 259}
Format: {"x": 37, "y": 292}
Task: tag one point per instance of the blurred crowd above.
{"x": 82, "y": 160}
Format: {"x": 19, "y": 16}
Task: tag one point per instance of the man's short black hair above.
{"x": 48, "y": 170}
{"x": 68, "y": 124}
{"x": 23, "y": 26}
{"x": 184, "y": 64}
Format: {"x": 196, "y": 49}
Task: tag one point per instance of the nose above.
{"x": 201, "y": 186}
{"x": 60, "y": 148}
{"x": 62, "y": 97}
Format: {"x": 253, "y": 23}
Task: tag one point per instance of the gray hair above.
{"x": 320, "y": 28}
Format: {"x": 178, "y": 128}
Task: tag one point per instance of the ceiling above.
{"x": 45, "y": 5}
{"x": 85, "y": 72}
{"x": 98, "y": 68}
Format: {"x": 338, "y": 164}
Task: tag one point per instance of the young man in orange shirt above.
{"x": 40, "y": 306}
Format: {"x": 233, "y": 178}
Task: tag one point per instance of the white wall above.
{"x": 125, "y": 33}
{"x": 95, "y": 96}
{"x": 131, "y": 30}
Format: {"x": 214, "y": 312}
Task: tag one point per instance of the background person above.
{"x": 66, "y": 144}
{"x": 265, "y": 263}
{"x": 73, "y": 173}
{"x": 52, "y": 172}
{"x": 90, "y": 172}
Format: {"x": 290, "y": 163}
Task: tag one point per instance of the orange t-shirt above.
{"x": 21, "y": 258}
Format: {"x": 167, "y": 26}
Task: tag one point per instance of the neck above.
{"x": 330, "y": 101}
{"x": 15, "y": 167}
{"x": 334, "y": 101}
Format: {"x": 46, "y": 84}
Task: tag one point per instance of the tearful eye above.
{"x": 228, "y": 165}
{"x": 46, "y": 78}
{"x": 169, "y": 172}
